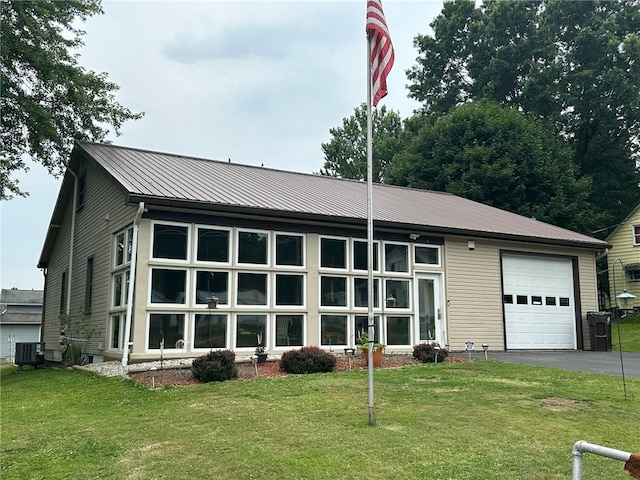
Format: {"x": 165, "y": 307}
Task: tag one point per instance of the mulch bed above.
{"x": 246, "y": 371}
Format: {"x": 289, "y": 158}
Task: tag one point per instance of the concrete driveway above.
{"x": 594, "y": 362}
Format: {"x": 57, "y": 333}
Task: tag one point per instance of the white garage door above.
{"x": 10, "y": 334}
{"x": 538, "y": 302}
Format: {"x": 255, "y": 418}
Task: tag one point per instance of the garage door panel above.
{"x": 537, "y": 318}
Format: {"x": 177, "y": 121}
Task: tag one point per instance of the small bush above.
{"x": 427, "y": 354}
{"x": 215, "y": 366}
{"x": 307, "y": 360}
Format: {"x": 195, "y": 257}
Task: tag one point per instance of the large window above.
{"x": 397, "y": 293}
{"x": 252, "y": 289}
{"x": 168, "y": 286}
{"x": 361, "y": 293}
{"x": 165, "y": 329}
{"x": 212, "y": 284}
{"x": 396, "y": 258}
{"x": 333, "y": 291}
{"x": 289, "y": 330}
{"x": 249, "y": 328}
{"x": 333, "y": 330}
{"x": 210, "y": 331}
{"x": 289, "y": 250}
{"x": 398, "y": 331}
{"x": 360, "y": 254}
{"x": 253, "y": 248}
{"x": 213, "y": 245}
{"x": 333, "y": 253}
{"x": 170, "y": 241}
{"x": 289, "y": 289}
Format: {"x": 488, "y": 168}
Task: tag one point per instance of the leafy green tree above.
{"x": 498, "y": 156}
{"x": 576, "y": 64}
{"x": 47, "y": 99}
{"x": 346, "y": 153}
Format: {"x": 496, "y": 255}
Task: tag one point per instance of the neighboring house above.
{"x": 623, "y": 260}
{"x": 139, "y": 241}
{"x": 20, "y": 319}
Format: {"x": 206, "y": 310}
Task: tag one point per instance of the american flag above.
{"x": 380, "y": 48}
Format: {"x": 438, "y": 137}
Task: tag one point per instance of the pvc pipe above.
{"x": 132, "y": 281}
{"x": 581, "y": 447}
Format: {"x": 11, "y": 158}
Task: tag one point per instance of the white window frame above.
{"x": 347, "y": 254}
{"x": 347, "y": 333}
{"x": 398, "y": 311}
{"x": 409, "y": 259}
{"x": 173, "y": 261}
{"x": 417, "y": 265}
{"x": 273, "y": 291}
{"x": 187, "y": 287}
{"x": 268, "y": 294}
{"x": 347, "y": 305}
{"x": 236, "y": 249}
{"x": 304, "y": 250}
{"x": 185, "y": 331}
{"x": 352, "y": 287}
{"x": 192, "y": 337}
{"x": 412, "y": 322}
{"x": 121, "y": 314}
{"x": 273, "y": 329}
{"x": 636, "y": 243}
{"x": 352, "y": 255}
{"x": 230, "y": 249}
{"x": 193, "y": 299}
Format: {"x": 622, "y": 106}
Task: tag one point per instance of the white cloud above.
{"x": 259, "y": 82}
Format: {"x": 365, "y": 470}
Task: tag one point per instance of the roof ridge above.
{"x": 244, "y": 165}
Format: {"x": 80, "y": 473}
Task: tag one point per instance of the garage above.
{"x": 538, "y": 298}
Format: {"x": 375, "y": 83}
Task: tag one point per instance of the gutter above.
{"x": 132, "y": 281}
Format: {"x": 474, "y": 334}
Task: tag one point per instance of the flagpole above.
{"x": 370, "y": 319}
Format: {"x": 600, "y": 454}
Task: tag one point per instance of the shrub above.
{"x": 307, "y": 360}
{"x": 427, "y": 354}
{"x": 215, "y": 366}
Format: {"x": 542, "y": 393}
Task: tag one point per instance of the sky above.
{"x": 257, "y": 82}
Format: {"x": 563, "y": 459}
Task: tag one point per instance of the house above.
{"x": 139, "y": 241}
{"x": 20, "y": 319}
{"x": 623, "y": 261}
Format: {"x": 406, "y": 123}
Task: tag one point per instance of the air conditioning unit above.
{"x": 29, "y": 353}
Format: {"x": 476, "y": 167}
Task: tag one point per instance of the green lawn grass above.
{"x": 476, "y": 420}
{"x": 629, "y": 333}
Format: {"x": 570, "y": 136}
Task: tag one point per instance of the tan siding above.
{"x": 623, "y": 250}
{"x": 474, "y": 289}
{"x": 473, "y": 293}
{"x": 103, "y": 214}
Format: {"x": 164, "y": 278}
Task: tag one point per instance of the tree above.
{"x": 576, "y": 64}
{"x": 346, "y": 153}
{"x": 47, "y": 99}
{"x": 498, "y": 156}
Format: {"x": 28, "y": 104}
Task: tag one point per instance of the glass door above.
{"x": 430, "y": 310}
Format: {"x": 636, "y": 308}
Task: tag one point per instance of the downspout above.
{"x": 132, "y": 282}
{"x": 72, "y": 240}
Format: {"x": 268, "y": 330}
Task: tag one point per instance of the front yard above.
{"x": 481, "y": 419}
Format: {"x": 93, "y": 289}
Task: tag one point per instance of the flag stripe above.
{"x": 380, "y": 48}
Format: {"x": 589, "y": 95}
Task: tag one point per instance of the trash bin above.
{"x": 599, "y": 331}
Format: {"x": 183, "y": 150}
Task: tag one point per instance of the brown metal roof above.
{"x": 155, "y": 177}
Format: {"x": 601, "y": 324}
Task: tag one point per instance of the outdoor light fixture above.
{"x": 414, "y": 236}
{"x": 436, "y": 350}
{"x": 212, "y": 303}
{"x": 390, "y": 301}
{"x": 625, "y": 296}
{"x": 485, "y": 347}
